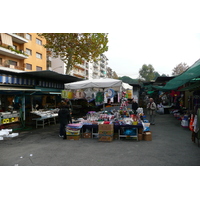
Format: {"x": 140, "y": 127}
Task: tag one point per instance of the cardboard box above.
{"x": 87, "y": 135}
{"x": 140, "y": 130}
{"x": 73, "y": 137}
{"x": 106, "y": 133}
{"x": 72, "y": 132}
{"x": 105, "y": 138}
{"x": 106, "y": 127}
{"x": 147, "y": 136}
{"x": 140, "y": 137}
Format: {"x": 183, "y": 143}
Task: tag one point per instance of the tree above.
{"x": 147, "y": 73}
{"x": 127, "y": 79}
{"x": 114, "y": 76}
{"x": 156, "y": 75}
{"x": 74, "y": 48}
{"x": 179, "y": 69}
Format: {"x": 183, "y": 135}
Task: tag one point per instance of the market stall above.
{"x": 102, "y": 91}
{"x": 106, "y": 126}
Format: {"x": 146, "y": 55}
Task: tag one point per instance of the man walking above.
{"x": 151, "y": 106}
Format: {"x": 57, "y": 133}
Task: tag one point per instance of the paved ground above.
{"x": 171, "y": 146}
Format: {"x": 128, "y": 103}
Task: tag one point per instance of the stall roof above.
{"x": 162, "y": 79}
{"x": 190, "y": 74}
{"x": 48, "y": 74}
{"x": 18, "y": 89}
{"x": 191, "y": 87}
{"x": 94, "y": 83}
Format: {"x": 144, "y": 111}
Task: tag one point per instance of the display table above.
{"x": 46, "y": 117}
{"x": 117, "y": 129}
{"x": 42, "y": 121}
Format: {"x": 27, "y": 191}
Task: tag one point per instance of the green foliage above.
{"x": 14, "y": 50}
{"x": 147, "y": 73}
{"x": 74, "y": 48}
{"x": 129, "y": 80}
{"x": 156, "y": 75}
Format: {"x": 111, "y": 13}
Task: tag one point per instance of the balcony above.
{"x": 12, "y": 53}
{"x": 102, "y": 65}
{"x": 78, "y": 75}
{"x": 18, "y": 37}
{"x": 82, "y": 67}
{"x": 13, "y": 67}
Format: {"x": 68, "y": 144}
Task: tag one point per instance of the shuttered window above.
{"x": 6, "y": 39}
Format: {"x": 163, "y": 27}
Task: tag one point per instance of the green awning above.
{"x": 191, "y": 73}
{"x": 150, "y": 92}
{"x": 191, "y": 87}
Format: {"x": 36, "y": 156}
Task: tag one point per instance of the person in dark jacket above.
{"x": 64, "y": 118}
{"x": 134, "y": 106}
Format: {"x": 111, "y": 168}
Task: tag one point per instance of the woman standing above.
{"x": 64, "y": 118}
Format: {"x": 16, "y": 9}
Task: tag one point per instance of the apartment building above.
{"x": 86, "y": 70}
{"x": 22, "y": 51}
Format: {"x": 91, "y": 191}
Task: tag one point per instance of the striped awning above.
{"x": 6, "y": 39}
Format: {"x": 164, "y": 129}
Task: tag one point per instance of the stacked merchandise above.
{"x": 146, "y": 135}
{"x": 185, "y": 121}
{"x": 106, "y": 132}
{"x": 73, "y": 131}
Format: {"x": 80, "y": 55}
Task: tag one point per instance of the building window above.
{"x": 29, "y": 52}
{"x": 38, "y": 41}
{"x": 38, "y": 68}
{"x": 0, "y": 61}
{"x": 28, "y": 66}
{"x": 11, "y": 62}
{"x": 38, "y": 55}
{"x": 28, "y": 36}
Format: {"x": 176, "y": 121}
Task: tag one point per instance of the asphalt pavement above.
{"x": 171, "y": 145}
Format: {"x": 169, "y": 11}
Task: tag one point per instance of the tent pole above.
{"x": 103, "y": 100}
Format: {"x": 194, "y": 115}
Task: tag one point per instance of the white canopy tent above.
{"x": 102, "y": 83}
{"x": 95, "y": 83}
{"x": 126, "y": 86}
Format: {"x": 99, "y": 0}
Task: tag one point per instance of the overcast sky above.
{"x": 129, "y": 51}
{"x": 162, "y": 33}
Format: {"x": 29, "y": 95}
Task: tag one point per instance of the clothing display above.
{"x": 89, "y": 94}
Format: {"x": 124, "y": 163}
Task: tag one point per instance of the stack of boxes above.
{"x": 106, "y": 132}
{"x": 72, "y": 134}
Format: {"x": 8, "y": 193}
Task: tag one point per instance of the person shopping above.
{"x": 151, "y": 106}
{"x": 64, "y": 118}
{"x": 134, "y": 106}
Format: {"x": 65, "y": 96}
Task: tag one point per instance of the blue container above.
{"x": 130, "y": 131}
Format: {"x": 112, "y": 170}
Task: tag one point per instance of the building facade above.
{"x": 22, "y": 51}
{"x": 86, "y": 70}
